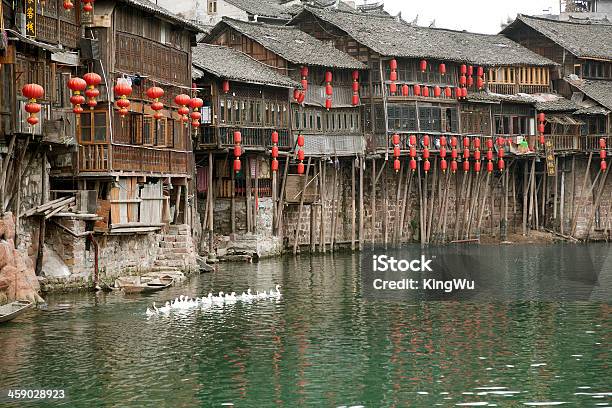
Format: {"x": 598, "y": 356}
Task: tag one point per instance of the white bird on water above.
{"x": 153, "y": 312}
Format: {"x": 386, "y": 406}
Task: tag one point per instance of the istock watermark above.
{"x": 489, "y": 273}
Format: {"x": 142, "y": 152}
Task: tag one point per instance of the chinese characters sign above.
{"x": 30, "y": 14}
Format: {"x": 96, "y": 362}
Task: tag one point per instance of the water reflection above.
{"x": 322, "y": 344}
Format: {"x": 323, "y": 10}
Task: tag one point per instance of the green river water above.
{"x": 321, "y": 345}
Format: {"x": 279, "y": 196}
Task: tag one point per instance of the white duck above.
{"x": 152, "y": 312}
{"x": 166, "y": 308}
{"x": 218, "y": 300}
{"x": 247, "y": 297}
{"x": 230, "y": 298}
{"x": 207, "y": 301}
{"x": 277, "y": 294}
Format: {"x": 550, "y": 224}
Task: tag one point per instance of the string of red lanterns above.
{"x": 77, "y": 85}
{"x": 329, "y": 90}
{"x": 480, "y": 79}
{"x": 413, "y": 152}
{"x": 355, "y": 88}
{"x": 33, "y": 92}
{"x": 300, "y": 153}
{"x": 88, "y": 6}
{"x": 427, "y": 164}
{"x": 393, "y": 77}
{"x": 477, "y": 163}
{"x": 182, "y": 100}
{"x": 274, "y": 151}
{"x": 122, "y": 90}
{"x": 603, "y": 154}
{"x": 454, "y": 154}
{"x": 396, "y": 153}
{"x": 466, "y": 154}
{"x": 304, "y": 74}
{"x": 155, "y": 93}
{"x": 196, "y": 104}
{"x": 443, "y": 163}
{"x": 500, "y": 154}
{"x": 541, "y": 127}
{"x": 490, "y": 155}
{"x": 93, "y": 80}
{"x": 237, "y": 151}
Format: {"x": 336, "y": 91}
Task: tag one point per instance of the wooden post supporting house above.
{"x": 361, "y": 204}
{"x": 353, "y": 209}
{"x": 299, "y": 215}
{"x": 582, "y": 196}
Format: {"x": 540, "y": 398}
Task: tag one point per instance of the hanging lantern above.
{"x": 417, "y": 90}
{"x": 427, "y": 166}
{"x": 442, "y": 152}
{"x": 477, "y": 167}
{"x": 405, "y": 90}
{"x": 237, "y": 150}
{"x": 296, "y": 94}
{"x": 182, "y": 100}
{"x": 477, "y": 143}
{"x": 396, "y": 139}
{"x": 470, "y": 81}
{"x": 237, "y": 165}
{"x": 301, "y": 155}
{"x": 93, "y": 80}
{"x": 442, "y": 69}
{"x": 87, "y": 6}
{"x": 437, "y": 91}
{"x": 413, "y": 164}
{"x": 477, "y": 155}
{"x": 77, "y": 85}
{"x": 68, "y": 5}
{"x": 300, "y": 168}
{"x": 392, "y": 88}
{"x": 454, "y": 166}
{"x": 396, "y": 165}
{"x": 480, "y": 71}
{"x": 304, "y": 74}
{"x": 300, "y": 140}
{"x": 425, "y": 92}
{"x": 413, "y": 140}
{"x": 489, "y": 167}
{"x": 33, "y": 92}
{"x": 301, "y": 98}
{"x": 426, "y": 153}
{"x": 423, "y": 65}
{"x": 443, "y": 141}
{"x": 458, "y": 93}
{"x": 443, "y": 165}
{"x": 454, "y": 141}
{"x": 274, "y": 152}
{"x": 155, "y": 93}
{"x": 470, "y": 70}
{"x": 501, "y": 164}
{"x": 426, "y": 140}
{"x": 466, "y": 142}
{"x": 122, "y": 90}
{"x": 355, "y": 100}
{"x": 448, "y": 92}
{"x": 466, "y": 166}
{"x": 328, "y": 90}
{"x": 464, "y": 93}
{"x": 602, "y": 154}
{"x": 413, "y": 152}
{"x": 602, "y": 143}
{"x": 225, "y": 86}
{"x": 541, "y": 117}
{"x": 454, "y": 154}
{"x": 489, "y": 155}
{"x": 274, "y": 165}
{"x": 463, "y": 80}
{"x": 463, "y": 69}
{"x": 195, "y": 104}
{"x": 393, "y": 76}
{"x": 500, "y": 152}
{"x": 480, "y": 83}
{"x": 603, "y": 166}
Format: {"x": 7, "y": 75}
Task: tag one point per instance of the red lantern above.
{"x": 392, "y": 88}
{"x": 542, "y": 140}
{"x": 301, "y": 98}
{"x": 301, "y": 155}
{"x": 296, "y": 94}
{"x": 405, "y": 90}
{"x": 448, "y": 92}
{"x": 225, "y": 86}
{"x": 426, "y": 140}
{"x": 477, "y": 143}
{"x": 477, "y": 167}
{"x": 454, "y": 141}
{"x": 413, "y": 140}
{"x": 417, "y": 90}
{"x": 237, "y": 137}
{"x": 464, "y": 93}
{"x": 437, "y": 91}
{"x": 32, "y": 120}
{"x": 443, "y": 165}
{"x": 413, "y": 165}
{"x": 602, "y": 143}
{"x": 237, "y": 151}
{"x": 470, "y": 81}
{"x": 396, "y": 139}
{"x": 275, "y": 137}
{"x": 454, "y": 154}
{"x": 427, "y": 166}
{"x": 480, "y": 71}
{"x": 87, "y": 6}
{"x": 196, "y": 103}
{"x": 541, "y": 117}
{"x": 466, "y": 142}
{"x": 458, "y": 93}
{"x": 426, "y": 153}
{"x": 442, "y": 140}
{"x": 602, "y": 154}
{"x": 477, "y": 155}
{"x": 443, "y": 69}
{"x": 426, "y": 92}
{"x": 32, "y": 107}
{"x": 489, "y": 155}
{"x": 92, "y": 79}
{"x": 77, "y": 85}
{"x": 155, "y": 92}
{"x": 328, "y": 104}
{"x": 501, "y": 164}
{"x": 396, "y": 165}
{"x": 68, "y": 5}
{"x": 453, "y": 167}
{"x": 304, "y": 83}
{"x": 423, "y": 65}
{"x": 125, "y": 103}
{"x": 500, "y": 153}
{"x": 329, "y": 90}
{"x": 541, "y": 128}
{"x": 328, "y": 76}
{"x": 490, "y": 166}
{"x": 355, "y": 100}
{"x": 355, "y": 75}
{"x": 300, "y": 140}
{"x": 195, "y": 115}
{"x": 442, "y": 152}
{"x": 33, "y": 91}
{"x": 466, "y": 153}
{"x": 603, "y": 165}
{"x": 182, "y": 100}
{"x": 237, "y": 165}
{"x": 300, "y": 168}
{"x": 489, "y": 143}
{"x": 304, "y": 71}
{"x": 393, "y": 64}
{"x": 466, "y": 166}
{"x": 274, "y": 165}
{"x": 463, "y": 69}
{"x": 355, "y": 86}
{"x": 470, "y": 70}
{"x": 413, "y": 152}
{"x": 462, "y": 80}
{"x": 480, "y": 83}
{"x": 123, "y": 88}
{"x": 275, "y": 151}
{"x": 393, "y": 76}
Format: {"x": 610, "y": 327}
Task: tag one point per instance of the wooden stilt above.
{"x": 474, "y": 199}
{"x": 445, "y": 207}
{"x": 281, "y": 201}
{"x": 211, "y": 203}
{"x": 353, "y": 208}
{"x": 555, "y": 189}
{"x": 421, "y": 213}
{"x": 425, "y": 207}
{"x": 313, "y": 223}
{"x": 274, "y": 203}
{"x": 526, "y": 185}
{"x": 596, "y": 203}
{"x": 233, "y": 202}
{"x": 434, "y": 183}
{"x": 42, "y": 223}
{"x": 385, "y": 209}
{"x": 468, "y": 205}
{"x": 562, "y": 204}
{"x": 373, "y": 204}
{"x": 334, "y": 220}
{"x": 247, "y": 196}
{"x": 323, "y": 224}
{"x": 573, "y": 201}
{"x": 398, "y": 197}
{"x": 482, "y": 208}
{"x": 407, "y": 187}
{"x": 504, "y": 229}
{"x": 460, "y": 205}
{"x": 361, "y": 205}
{"x": 256, "y": 196}
{"x": 299, "y": 217}
{"x": 582, "y": 195}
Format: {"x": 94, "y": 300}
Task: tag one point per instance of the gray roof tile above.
{"x": 154, "y": 9}
{"x": 228, "y": 63}
{"x": 599, "y": 91}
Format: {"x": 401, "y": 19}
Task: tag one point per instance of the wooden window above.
{"x": 212, "y": 6}
{"x": 147, "y": 130}
{"x": 160, "y": 132}
{"x": 94, "y": 127}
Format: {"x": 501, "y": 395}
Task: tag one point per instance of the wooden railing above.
{"x": 591, "y": 142}
{"x": 565, "y": 142}
{"x": 342, "y": 96}
{"x": 95, "y": 158}
{"x": 255, "y": 137}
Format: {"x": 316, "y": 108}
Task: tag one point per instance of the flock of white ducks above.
{"x": 185, "y": 302}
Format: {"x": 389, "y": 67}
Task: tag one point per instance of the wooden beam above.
{"x": 297, "y": 228}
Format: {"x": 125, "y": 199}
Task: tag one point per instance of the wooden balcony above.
{"x": 255, "y": 137}
{"x": 108, "y": 158}
{"x": 513, "y": 89}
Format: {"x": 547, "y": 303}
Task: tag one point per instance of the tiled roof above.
{"x": 227, "y": 63}
{"x": 154, "y": 9}
{"x": 584, "y": 40}
{"x": 263, "y": 8}
{"x": 599, "y": 91}
{"x": 390, "y": 36}
{"x": 291, "y": 44}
